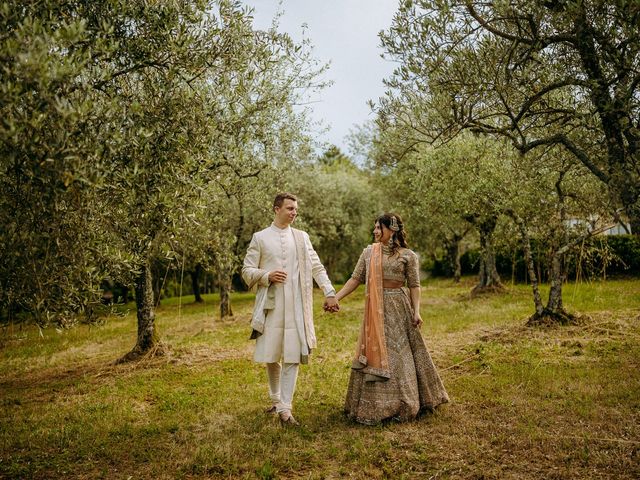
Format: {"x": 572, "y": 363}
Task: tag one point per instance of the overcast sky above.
{"x": 345, "y": 33}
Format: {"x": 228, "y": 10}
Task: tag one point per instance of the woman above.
{"x": 392, "y": 376}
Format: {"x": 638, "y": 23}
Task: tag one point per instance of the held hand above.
{"x": 331, "y": 305}
{"x": 277, "y": 276}
{"x": 417, "y": 320}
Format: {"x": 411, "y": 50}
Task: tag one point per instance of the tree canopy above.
{"x": 122, "y": 126}
{"x": 142, "y": 134}
{"x": 542, "y": 74}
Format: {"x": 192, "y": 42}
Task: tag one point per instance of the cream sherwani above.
{"x": 283, "y": 315}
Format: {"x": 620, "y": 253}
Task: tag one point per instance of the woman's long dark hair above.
{"x": 399, "y": 238}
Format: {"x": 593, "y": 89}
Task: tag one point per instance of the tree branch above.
{"x": 549, "y": 88}
{"x": 539, "y": 43}
{"x": 561, "y": 139}
{"x": 133, "y": 68}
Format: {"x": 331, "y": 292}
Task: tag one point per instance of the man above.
{"x": 281, "y": 261}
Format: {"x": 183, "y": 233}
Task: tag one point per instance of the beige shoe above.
{"x": 287, "y": 419}
{"x": 271, "y": 410}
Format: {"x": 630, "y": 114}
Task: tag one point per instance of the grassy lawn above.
{"x": 546, "y": 403}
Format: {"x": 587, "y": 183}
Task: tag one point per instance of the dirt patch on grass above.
{"x": 199, "y": 354}
{"x": 618, "y": 323}
{"x": 45, "y": 384}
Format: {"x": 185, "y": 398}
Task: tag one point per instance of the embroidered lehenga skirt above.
{"x": 414, "y": 386}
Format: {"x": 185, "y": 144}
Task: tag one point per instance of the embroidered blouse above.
{"x": 401, "y": 266}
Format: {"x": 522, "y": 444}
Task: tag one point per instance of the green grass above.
{"x": 552, "y": 403}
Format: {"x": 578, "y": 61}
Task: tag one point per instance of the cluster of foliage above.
{"x": 144, "y": 137}
{"x": 596, "y": 258}
{"x": 132, "y": 132}
{"x": 553, "y": 91}
{"x": 339, "y": 203}
{"x": 562, "y": 74}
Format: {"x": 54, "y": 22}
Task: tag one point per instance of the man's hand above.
{"x": 277, "y": 276}
{"x": 331, "y": 305}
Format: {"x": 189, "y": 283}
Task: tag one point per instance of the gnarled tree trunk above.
{"x": 225, "y": 296}
{"x": 452, "y": 257}
{"x": 554, "y": 311}
{"x": 195, "y": 282}
{"x": 147, "y": 341}
{"x": 488, "y": 277}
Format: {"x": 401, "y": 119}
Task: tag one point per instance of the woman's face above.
{"x": 381, "y": 233}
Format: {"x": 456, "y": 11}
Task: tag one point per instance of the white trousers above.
{"x": 282, "y": 384}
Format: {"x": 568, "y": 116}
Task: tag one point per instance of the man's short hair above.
{"x": 281, "y": 197}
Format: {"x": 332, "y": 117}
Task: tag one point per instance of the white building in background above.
{"x": 619, "y": 229}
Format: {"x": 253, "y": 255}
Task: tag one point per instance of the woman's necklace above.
{"x": 386, "y": 249}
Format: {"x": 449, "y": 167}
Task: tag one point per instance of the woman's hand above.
{"x": 417, "y": 320}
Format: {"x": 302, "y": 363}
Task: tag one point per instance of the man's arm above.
{"x": 319, "y": 274}
{"x": 318, "y": 271}
{"x": 252, "y": 274}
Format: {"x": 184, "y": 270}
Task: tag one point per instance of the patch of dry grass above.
{"x": 552, "y": 403}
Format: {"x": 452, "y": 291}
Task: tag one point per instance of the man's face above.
{"x": 287, "y": 213}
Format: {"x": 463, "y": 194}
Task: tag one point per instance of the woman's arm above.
{"x": 415, "y": 302}
{"x": 358, "y": 277}
{"x": 347, "y": 288}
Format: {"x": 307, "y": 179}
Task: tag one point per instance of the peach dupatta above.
{"x": 371, "y": 356}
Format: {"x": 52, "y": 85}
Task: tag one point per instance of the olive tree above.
{"x": 56, "y": 138}
{"x": 560, "y": 204}
{"x": 116, "y": 116}
{"x": 560, "y": 74}
{"x": 263, "y": 136}
{"x": 552, "y": 198}
{"x": 199, "y": 120}
{"x": 450, "y": 190}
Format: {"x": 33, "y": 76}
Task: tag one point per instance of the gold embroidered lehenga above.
{"x": 413, "y": 385}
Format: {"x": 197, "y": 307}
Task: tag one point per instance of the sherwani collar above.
{"x": 275, "y": 228}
